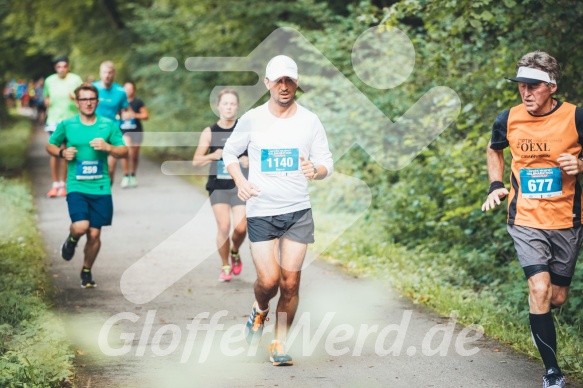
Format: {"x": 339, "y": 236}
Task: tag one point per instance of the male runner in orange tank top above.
{"x": 545, "y": 137}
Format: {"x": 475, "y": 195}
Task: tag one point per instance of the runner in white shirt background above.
{"x": 287, "y": 148}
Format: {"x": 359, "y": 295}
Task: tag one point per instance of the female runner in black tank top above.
{"x": 221, "y": 188}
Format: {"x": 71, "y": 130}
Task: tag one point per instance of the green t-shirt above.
{"x": 59, "y": 90}
{"x": 87, "y": 172}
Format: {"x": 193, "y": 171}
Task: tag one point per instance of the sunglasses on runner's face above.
{"x": 87, "y": 99}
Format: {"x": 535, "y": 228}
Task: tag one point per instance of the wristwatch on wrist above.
{"x": 61, "y": 153}
{"x": 315, "y": 174}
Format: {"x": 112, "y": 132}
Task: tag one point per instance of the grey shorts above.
{"x": 136, "y": 137}
{"x": 297, "y": 226}
{"x": 554, "y": 251}
{"x": 229, "y": 197}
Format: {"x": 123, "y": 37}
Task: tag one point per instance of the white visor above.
{"x": 532, "y": 76}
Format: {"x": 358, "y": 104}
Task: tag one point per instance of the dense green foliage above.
{"x": 429, "y": 210}
{"x": 33, "y": 346}
{"x": 486, "y": 39}
{"x": 14, "y": 140}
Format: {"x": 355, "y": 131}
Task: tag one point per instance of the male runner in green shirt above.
{"x": 90, "y": 139}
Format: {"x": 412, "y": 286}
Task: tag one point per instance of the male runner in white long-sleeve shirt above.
{"x": 287, "y": 148}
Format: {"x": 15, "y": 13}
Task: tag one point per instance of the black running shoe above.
{"x": 553, "y": 379}
{"x": 86, "y": 279}
{"x": 68, "y": 249}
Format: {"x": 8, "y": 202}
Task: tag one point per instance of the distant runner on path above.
{"x": 220, "y": 185}
{"x": 60, "y": 102}
{"x": 287, "y": 148}
{"x": 133, "y": 134}
{"x": 90, "y": 140}
{"x": 113, "y": 101}
{"x": 545, "y": 137}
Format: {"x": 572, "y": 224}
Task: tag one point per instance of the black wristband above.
{"x": 495, "y": 186}
{"x": 61, "y": 153}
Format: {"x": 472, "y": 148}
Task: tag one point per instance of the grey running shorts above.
{"x": 554, "y": 251}
{"x": 225, "y": 196}
{"x": 297, "y": 226}
{"x": 136, "y": 137}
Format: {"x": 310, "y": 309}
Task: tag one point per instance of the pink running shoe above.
{"x": 225, "y": 275}
{"x": 236, "y": 263}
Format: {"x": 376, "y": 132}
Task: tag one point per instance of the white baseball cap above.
{"x": 529, "y": 75}
{"x": 281, "y": 66}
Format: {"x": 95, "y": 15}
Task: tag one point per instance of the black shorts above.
{"x": 225, "y": 196}
{"x": 297, "y": 226}
{"x": 40, "y": 106}
{"x": 95, "y": 208}
{"x": 137, "y": 137}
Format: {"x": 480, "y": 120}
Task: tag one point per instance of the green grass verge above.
{"x": 423, "y": 277}
{"x": 14, "y": 141}
{"x": 34, "y": 351}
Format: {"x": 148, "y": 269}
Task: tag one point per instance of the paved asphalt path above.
{"x": 132, "y": 332}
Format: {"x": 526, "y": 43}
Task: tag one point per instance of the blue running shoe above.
{"x": 254, "y": 326}
{"x": 277, "y": 354}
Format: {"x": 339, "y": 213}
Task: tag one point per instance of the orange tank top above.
{"x": 543, "y": 196}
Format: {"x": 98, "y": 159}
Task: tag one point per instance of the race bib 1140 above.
{"x": 280, "y": 161}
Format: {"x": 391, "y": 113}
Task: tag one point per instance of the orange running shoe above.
{"x": 53, "y": 192}
{"x": 255, "y": 324}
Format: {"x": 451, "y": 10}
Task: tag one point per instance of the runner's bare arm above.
{"x": 570, "y": 164}
{"x": 495, "y": 161}
{"x": 236, "y": 145}
{"x": 245, "y": 188}
{"x": 68, "y": 153}
{"x": 116, "y": 151}
{"x": 201, "y": 158}
{"x": 308, "y": 170}
{"x": 244, "y": 161}
{"x": 143, "y": 114}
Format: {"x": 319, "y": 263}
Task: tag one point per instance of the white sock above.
{"x": 262, "y": 311}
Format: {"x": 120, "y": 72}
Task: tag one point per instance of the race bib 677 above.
{"x": 541, "y": 182}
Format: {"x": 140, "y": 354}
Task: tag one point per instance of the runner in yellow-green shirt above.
{"x": 59, "y": 100}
